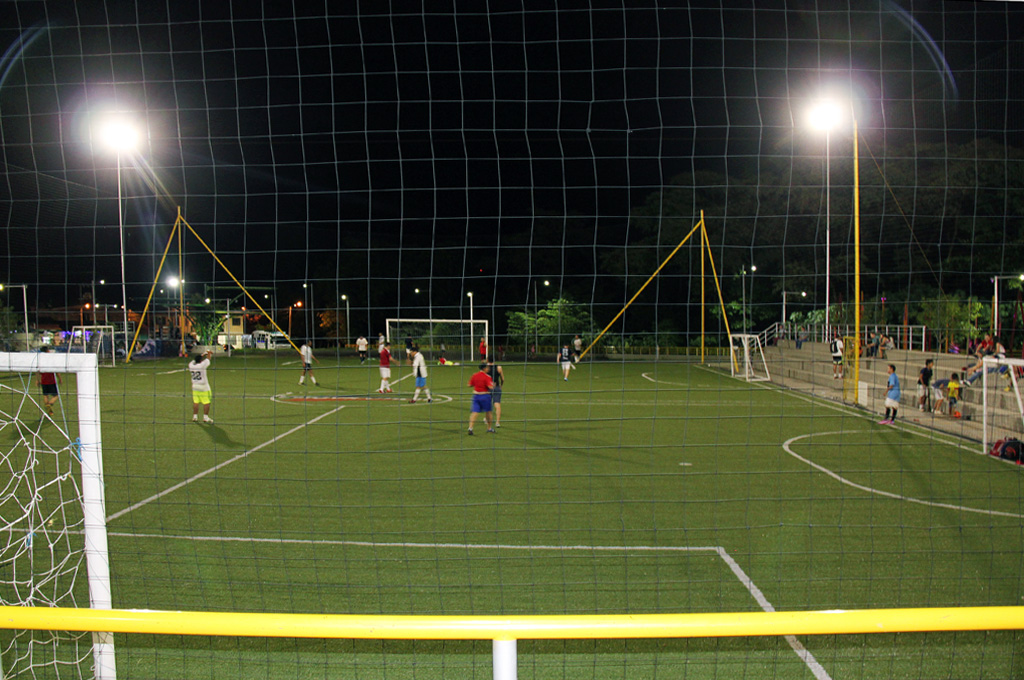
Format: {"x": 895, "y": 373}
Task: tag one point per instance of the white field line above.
{"x": 805, "y": 655}
{"x": 223, "y": 464}
{"x": 879, "y": 492}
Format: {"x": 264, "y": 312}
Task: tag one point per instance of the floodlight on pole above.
{"x": 824, "y": 116}
{"x": 120, "y": 135}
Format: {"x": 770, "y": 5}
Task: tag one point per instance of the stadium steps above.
{"x": 809, "y": 369}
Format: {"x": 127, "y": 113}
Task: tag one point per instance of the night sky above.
{"x": 373, "y": 148}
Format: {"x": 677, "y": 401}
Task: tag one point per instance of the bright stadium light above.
{"x": 824, "y": 116}
{"x": 119, "y": 134}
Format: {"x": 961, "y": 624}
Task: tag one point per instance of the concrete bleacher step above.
{"x": 811, "y": 368}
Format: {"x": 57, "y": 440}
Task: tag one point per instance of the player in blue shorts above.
{"x": 482, "y": 385}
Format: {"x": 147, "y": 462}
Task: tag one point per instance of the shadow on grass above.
{"x": 218, "y": 436}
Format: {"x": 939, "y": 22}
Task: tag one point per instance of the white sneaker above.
{"x": 207, "y": 419}
{"x": 195, "y": 419}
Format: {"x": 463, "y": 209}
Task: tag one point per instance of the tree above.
{"x": 555, "y": 324}
{"x": 206, "y": 323}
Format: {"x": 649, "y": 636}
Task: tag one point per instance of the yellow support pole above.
{"x": 702, "y": 298}
{"x": 149, "y": 300}
{"x": 237, "y": 282}
{"x": 718, "y": 287}
{"x": 552, "y": 627}
{"x": 646, "y": 283}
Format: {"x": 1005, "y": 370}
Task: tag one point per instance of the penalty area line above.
{"x": 229, "y": 461}
{"x": 752, "y": 589}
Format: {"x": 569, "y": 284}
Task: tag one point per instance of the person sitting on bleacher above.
{"x": 991, "y": 347}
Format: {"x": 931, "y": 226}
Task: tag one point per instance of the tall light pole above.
{"x": 121, "y": 136}
{"x": 743, "y": 297}
{"x": 24, "y": 299}
{"x": 536, "y": 315}
{"x": 995, "y": 300}
{"x": 824, "y": 116}
{"x": 801, "y": 293}
{"x": 348, "y": 332}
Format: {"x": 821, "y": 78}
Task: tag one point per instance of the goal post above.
{"x": 455, "y": 339}
{"x": 747, "y": 358}
{"x": 1002, "y": 404}
{"x": 99, "y": 340}
{"x": 56, "y": 516}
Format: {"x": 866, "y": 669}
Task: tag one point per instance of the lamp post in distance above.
{"x": 348, "y": 331}
{"x": 801, "y": 293}
{"x": 995, "y": 299}
{"x": 120, "y": 135}
{"x": 536, "y": 314}
{"x": 24, "y": 299}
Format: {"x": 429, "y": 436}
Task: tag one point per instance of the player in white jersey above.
{"x": 361, "y": 344}
{"x": 307, "y": 363}
{"x": 201, "y": 392}
{"x": 419, "y": 371}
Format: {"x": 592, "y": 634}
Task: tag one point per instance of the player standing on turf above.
{"x": 48, "y": 382}
{"x": 385, "y": 367}
{"x": 307, "y": 362}
{"x": 497, "y": 376}
{"x": 892, "y": 397}
{"x": 565, "y": 356}
{"x": 419, "y": 371}
{"x": 836, "y": 347}
{"x": 577, "y": 349}
{"x": 361, "y": 344}
{"x": 482, "y": 385}
{"x": 201, "y": 392}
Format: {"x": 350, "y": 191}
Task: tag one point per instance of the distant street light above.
{"x": 348, "y": 332}
{"x": 120, "y": 135}
{"x": 995, "y": 300}
{"x": 24, "y": 299}
{"x": 536, "y": 314}
{"x": 801, "y": 293}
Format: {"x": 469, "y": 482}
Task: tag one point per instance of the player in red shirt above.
{"x": 385, "y": 368}
{"x": 48, "y": 382}
{"x": 482, "y": 385}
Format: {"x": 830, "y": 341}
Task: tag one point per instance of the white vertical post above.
{"x": 94, "y": 508}
{"x": 504, "y": 660}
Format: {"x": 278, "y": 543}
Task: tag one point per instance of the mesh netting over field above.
{"x": 530, "y": 173}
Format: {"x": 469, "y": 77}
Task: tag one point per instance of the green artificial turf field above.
{"x": 631, "y": 488}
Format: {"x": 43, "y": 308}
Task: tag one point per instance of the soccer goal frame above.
{"x": 438, "y": 332}
{"x": 84, "y": 332}
{"x": 87, "y": 450}
{"x": 746, "y": 354}
{"x": 1001, "y": 411}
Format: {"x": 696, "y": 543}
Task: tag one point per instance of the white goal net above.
{"x": 53, "y": 540}
{"x": 452, "y": 339}
{"x": 746, "y": 358}
{"x": 98, "y": 340}
{"x": 1001, "y": 402}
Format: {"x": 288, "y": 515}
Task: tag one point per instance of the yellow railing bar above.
{"x": 384, "y": 627}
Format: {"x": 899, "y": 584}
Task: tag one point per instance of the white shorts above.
{"x": 385, "y": 371}
{"x": 921, "y": 390}
{"x": 566, "y": 365}
{"x": 891, "y": 403}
